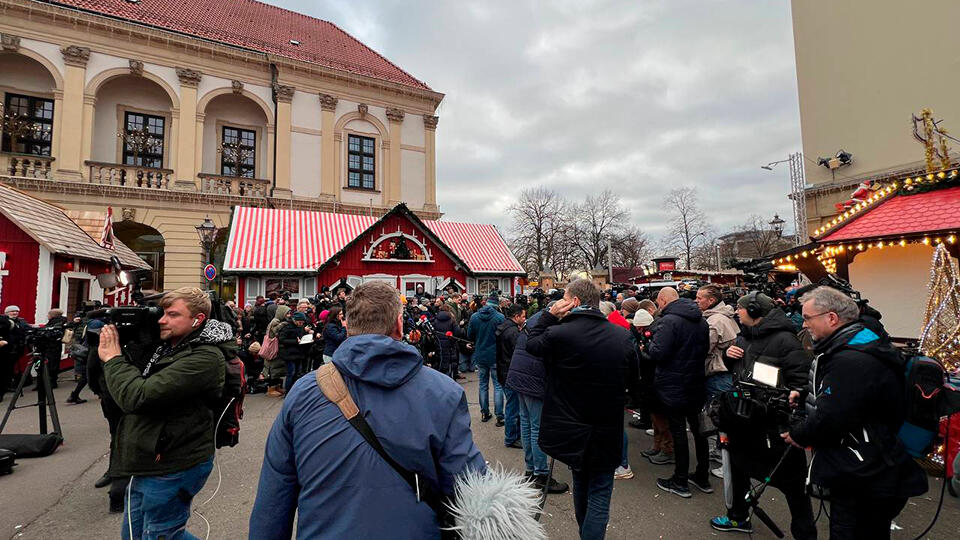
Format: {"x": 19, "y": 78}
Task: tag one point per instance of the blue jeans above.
{"x": 466, "y": 363}
{"x": 485, "y": 373}
{"x": 719, "y": 383}
{"x": 533, "y": 457}
{"x": 591, "y": 502}
{"x": 159, "y": 506}
{"x": 291, "y": 375}
{"x": 511, "y": 411}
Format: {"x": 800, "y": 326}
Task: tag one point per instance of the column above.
{"x": 69, "y": 164}
{"x": 393, "y": 191}
{"x": 328, "y": 169}
{"x": 185, "y": 165}
{"x": 284, "y": 95}
{"x": 89, "y": 109}
{"x": 198, "y": 149}
{"x": 430, "y": 162}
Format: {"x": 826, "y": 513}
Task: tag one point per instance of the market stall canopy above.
{"x": 903, "y": 215}
{"x": 50, "y": 227}
{"x": 278, "y": 240}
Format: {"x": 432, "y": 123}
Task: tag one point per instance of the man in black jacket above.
{"x": 53, "y": 346}
{"x": 855, "y": 409}
{"x": 507, "y": 334}
{"x": 582, "y": 424}
{"x": 679, "y": 348}
{"x": 768, "y": 338}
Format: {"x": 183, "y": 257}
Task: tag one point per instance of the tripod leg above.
{"x": 43, "y": 388}
{"x": 546, "y": 489}
{"x": 51, "y": 400}
{"x": 16, "y": 395}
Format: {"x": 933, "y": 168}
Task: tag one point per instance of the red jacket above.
{"x": 616, "y": 318}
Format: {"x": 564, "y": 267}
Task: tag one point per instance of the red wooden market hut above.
{"x": 276, "y": 251}
{"x": 48, "y": 261}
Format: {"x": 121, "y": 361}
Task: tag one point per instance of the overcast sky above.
{"x": 639, "y": 96}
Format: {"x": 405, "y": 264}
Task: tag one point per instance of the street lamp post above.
{"x": 777, "y": 225}
{"x": 207, "y": 232}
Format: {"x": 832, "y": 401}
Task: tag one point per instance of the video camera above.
{"x": 756, "y": 404}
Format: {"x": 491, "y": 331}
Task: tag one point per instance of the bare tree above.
{"x": 631, "y": 248}
{"x": 689, "y": 228}
{"x": 760, "y": 239}
{"x": 539, "y": 219}
{"x": 564, "y": 255}
{"x": 598, "y": 218}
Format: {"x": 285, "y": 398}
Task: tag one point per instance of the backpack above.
{"x": 228, "y": 409}
{"x": 925, "y": 380}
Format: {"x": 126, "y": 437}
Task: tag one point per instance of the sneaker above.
{"x": 515, "y": 444}
{"x": 668, "y": 485}
{"x": 662, "y": 459}
{"x": 554, "y": 487}
{"x": 485, "y": 417}
{"x": 500, "y": 422}
{"x": 623, "y": 473}
{"x": 703, "y": 484}
{"x": 715, "y": 455}
{"x": 718, "y": 472}
{"x": 725, "y": 524}
{"x": 649, "y": 432}
{"x": 650, "y": 452}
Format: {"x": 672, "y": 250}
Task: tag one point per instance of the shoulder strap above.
{"x": 331, "y": 384}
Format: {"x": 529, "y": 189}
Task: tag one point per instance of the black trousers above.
{"x": 678, "y": 420}
{"x": 789, "y": 479}
{"x": 6, "y": 372}
{"x": 862, "y": 518}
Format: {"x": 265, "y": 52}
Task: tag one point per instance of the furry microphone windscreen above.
{"x": 496, "y": 505}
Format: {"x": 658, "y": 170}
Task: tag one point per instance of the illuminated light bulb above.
{"x": 937, "y": 240}
{"x": 930, "y": 176}
{"x": 903, "y": 243}
{"x": 880, "y": 245}
{"x": 804, "y": 254}
{"x": 908, "y": 181}
{"x": 926, "y": 241}
{"x": 941, "y": 175}
{"x": 953, "y": 173}
{"x": 840, "y": 249}
{"x": 860, "y": 247}
{"x": 951, "y": 239}
{"x": 788, "y": 258}
{"x": 893, "y": 186}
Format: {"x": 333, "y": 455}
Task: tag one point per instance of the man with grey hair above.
{"x": 586, "y": 358}
{"x": 855, "y": 409}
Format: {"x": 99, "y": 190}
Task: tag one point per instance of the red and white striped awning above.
{"x": 276, "y": 240}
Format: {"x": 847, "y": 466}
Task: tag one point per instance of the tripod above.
{"x": 45, "y": 395}
{"x": 753, "y": 497}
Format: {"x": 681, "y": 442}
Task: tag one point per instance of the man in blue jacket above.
{"x": 317, "y": 465}
{"x": 482, "y": 331}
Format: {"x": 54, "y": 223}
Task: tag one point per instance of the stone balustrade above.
{"x": 26, "y": 165}
{"x": 114, "y": 174}
{"x": 217, "y": 184}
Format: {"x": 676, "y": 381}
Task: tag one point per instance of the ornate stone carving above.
{"x": 394, "y": 114}
{"x": 430, "y": 121}
{"x": 75, "y": 56}
{"x": 237, "y": 87}
{"x": 10, "y": 42}
{"x": 284, "y": 93}
{"x": 362, "y": 109}
{"x": 129, "y": 214}
{"x": 136, "y": 67}
{"x": 328, "y": 102}
{"x": 189, "y": 77}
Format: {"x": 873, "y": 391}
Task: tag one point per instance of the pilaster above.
{"x": 393, "y": 190}
{"x": 185, "y": 166}
{"x": 284, "y": 95}
{"x": 430, "y": 162}
{"x": 328, "y": 170}
{"x": 69, "y": 163}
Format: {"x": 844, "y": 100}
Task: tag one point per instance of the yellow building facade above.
{"x": 170, "y": 128}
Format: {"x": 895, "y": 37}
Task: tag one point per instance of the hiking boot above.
{"x": 718, "y": 472}
{"x": 485, "y": 417}
{"x": 103, "y": 481}
{"x": 623, "y": 473}
{"x": 662, "y": 459}
{"x": 650, "y": 452}
{"x": 671, "y": 486}
{"x": 500, "y": 422}
{"x": 703, "y": 484}
{"x": 554, "y": 488}
{"x": 725, "y": 524}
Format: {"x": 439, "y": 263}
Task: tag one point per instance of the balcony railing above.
{"x": 114, "y": 174}
{"x": 231, "y": 185}
{"x": 26, "y": 165}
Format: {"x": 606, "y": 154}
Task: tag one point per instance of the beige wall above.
{"x": 135, "y": 93}
{"x": 305, "y": 166}
{"x": 863, "y": 67}
{"x": 895, "y": 281}
{"x": 234, "y": 111}
{"x": 411, "y": 173}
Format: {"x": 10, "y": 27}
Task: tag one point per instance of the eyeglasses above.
{"x": 808, "y": 317}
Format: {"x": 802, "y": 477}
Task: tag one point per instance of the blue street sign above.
{"x": 210, "y": 272}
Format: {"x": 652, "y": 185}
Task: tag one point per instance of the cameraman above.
{"x": 165, "y": 440}
{"x": 855, "y": 409}
{"x": 768, "y": 337}
{"x": 52, "y": 345}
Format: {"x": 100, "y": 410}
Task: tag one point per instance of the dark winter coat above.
{"x": 772, "y": 342}
{"x": 679, "y": 348}
{"x": 507, "y": 334}
{"x": 444, "y": 323}
{"x": 289, "y": 340}
{"x": 166, "y": 426}
{"x": 857, "y": 395}
{"x": 333, "y": 335}
{"x": 482, "y": 331}
{"x": 260, "y": 321}
{"x": 52, "y": 344}
{"x": 527, "y": 375}
{"x": 585, "y": 358}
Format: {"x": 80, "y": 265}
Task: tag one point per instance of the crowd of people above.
{"x": 565, "y": 367}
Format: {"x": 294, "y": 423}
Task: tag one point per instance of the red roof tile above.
{"x": 928, "y": 212}
{"x": 257, "y": 26}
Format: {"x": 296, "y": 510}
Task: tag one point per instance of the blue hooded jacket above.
{"x": 317, "y": 464}
{"x": 482, "y": 330}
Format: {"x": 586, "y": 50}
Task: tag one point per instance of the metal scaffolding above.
{"x": 797, "y": 186}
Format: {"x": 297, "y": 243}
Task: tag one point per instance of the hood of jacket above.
{"x": 721, "y": 308}
{"x": 378, "y": 360}
{"x": 684, "y": 307}
{"x": 487, "y": 312}
{"x": 281, "y": 314}
{"x": 774, "y": 321}
{"x": 444, "y": 316}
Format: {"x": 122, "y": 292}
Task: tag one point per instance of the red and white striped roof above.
{"x": 276, "y": 240}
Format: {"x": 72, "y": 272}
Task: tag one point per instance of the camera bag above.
{"x": 7, "y": 461}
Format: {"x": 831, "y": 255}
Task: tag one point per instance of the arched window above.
{"x": 148, "y": 244}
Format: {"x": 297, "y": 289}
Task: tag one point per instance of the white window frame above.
{"x": 428, "y": 281}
